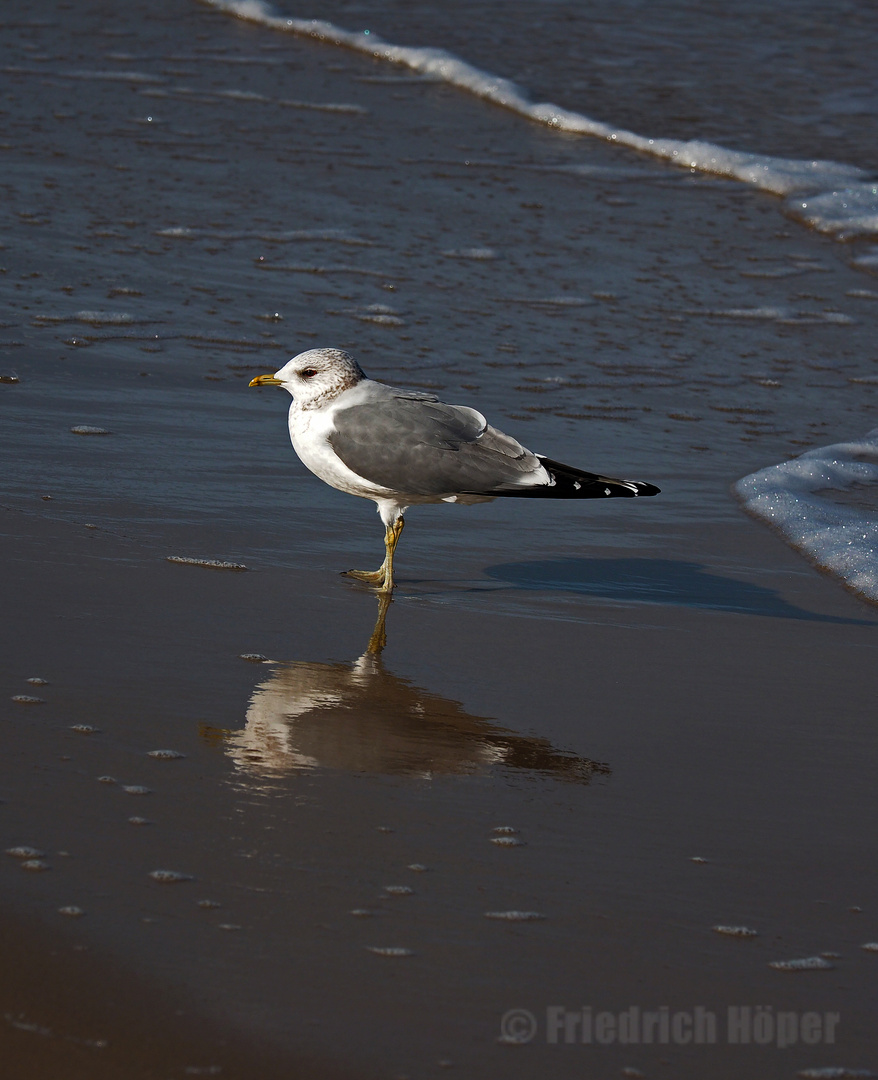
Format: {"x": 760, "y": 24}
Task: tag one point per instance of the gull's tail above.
{"x": 567, "y": 482}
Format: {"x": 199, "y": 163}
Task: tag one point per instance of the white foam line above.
{"x": 839, "y": 538}
{"x": 851, "y": 196}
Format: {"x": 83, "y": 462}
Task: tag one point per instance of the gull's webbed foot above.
{"x": 371, "y": 577}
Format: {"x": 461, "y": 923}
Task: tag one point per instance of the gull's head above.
{"x": 315, "y": 377}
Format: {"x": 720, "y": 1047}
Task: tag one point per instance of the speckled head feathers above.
{"x": 319, "y": 375}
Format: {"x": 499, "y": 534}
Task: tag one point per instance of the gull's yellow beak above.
{"x": 265, "y": 380}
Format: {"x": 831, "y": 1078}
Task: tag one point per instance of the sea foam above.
{"x": 849, "y": 212}
{"x": 842, "y": 199}
{"x": 838, "y": 537}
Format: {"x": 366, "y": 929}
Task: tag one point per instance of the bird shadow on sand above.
{"x": 359, "y": 717}
{"x": 657, "y": 581}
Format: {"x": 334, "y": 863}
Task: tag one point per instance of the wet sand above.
{"x": 710, "y": 736}
{"x": 626, "y": 687}
{"x": 70, "y": 1011}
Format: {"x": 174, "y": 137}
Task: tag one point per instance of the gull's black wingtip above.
{"x": 568, "y": 482}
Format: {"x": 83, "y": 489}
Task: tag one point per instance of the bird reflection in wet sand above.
{"x": 358, "y": 717}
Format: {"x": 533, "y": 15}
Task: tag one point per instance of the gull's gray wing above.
{"x": 419, "y": 446}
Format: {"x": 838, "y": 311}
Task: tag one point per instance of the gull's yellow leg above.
{"x": 383, "y": 576}
{"x": 391, "y": 539}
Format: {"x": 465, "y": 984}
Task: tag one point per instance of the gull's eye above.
{"x": 308, "y": 373}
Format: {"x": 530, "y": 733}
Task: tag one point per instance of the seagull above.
{"x": 402, "y": 448}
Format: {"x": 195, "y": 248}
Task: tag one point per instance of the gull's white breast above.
{"x": 310, "y": 430}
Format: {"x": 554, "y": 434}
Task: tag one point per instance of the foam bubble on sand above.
{"x": 23, "y": 851}
{"x": 836, "y": 1072}
{"x": 515, "y": 916}
{"x": 807, "y": 963}
{"x": 840, "y": 538}
{"x": 736, "y": 931}
{"x": 169, "y": 877}
{"x": 211, "y": 564}
{"x": 847, "y": 215}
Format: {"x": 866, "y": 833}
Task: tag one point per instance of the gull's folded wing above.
{"x": 421, "y": 447}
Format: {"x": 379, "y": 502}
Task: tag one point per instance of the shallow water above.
{"x": 794, "y": 80}
{"x": 632, "y": 315}
{"x": 832, "y": 197}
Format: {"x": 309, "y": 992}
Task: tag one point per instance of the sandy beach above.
{"x": 595, "y": 734}
{"x": 711, "y": 740}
